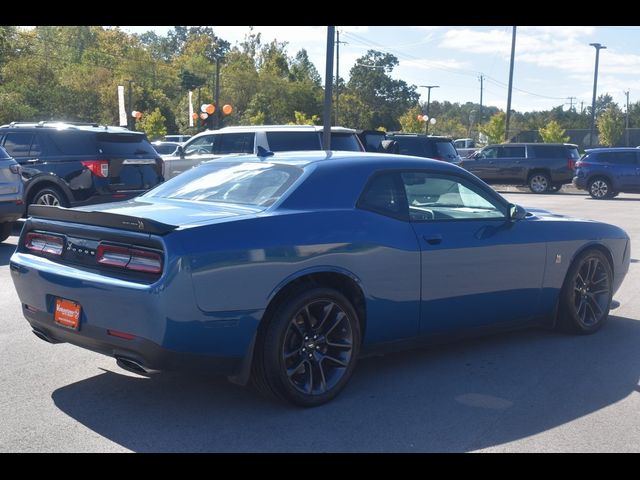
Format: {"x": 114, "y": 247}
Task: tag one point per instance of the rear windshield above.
{"x": 288, "y": 141}
{"x": 124, "y": 144}
{"x": 344, "y": 141}
{"x": 253, "y": 184}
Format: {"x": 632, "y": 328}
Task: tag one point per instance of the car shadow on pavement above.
{"x": 459, "y": 397}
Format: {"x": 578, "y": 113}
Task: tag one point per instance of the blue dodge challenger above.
{"x": 284, "y": 269}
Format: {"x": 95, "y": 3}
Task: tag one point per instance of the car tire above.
{"x": 586, "y": 294}
{"x": 599, "y": 188}
{"x": 50, "y": 196}
{"x": 307, "y": 350}
{"x": 5, "y": 230}
{"x": 539, "y": 182}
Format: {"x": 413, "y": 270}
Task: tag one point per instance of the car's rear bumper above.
{"x": 579, "y": 182}
{"x": 11, "y": 211}
{"x": 168, "y": 329}
{"x": 144, "y": 353}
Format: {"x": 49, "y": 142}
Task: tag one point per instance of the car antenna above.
{"x": 263, "y": 152}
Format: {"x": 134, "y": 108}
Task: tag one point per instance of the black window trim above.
{"x": 396, "y": 172}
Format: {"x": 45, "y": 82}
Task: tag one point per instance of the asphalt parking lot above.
{"x": 524, "y": 391}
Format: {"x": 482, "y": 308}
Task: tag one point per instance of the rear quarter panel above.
{"x": 241, "y": 265}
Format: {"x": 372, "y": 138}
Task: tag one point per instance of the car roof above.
{"x": 535, "y": 144}
{"x": 612, "y": 149}
{"x": 308, "y": 158}
{"x": 86, "y": 127}
{"x": 418, "y": 135}
{"x": 274, "y": 128}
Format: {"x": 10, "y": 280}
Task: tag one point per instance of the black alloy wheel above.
{"x": 307, "y": 350}
{"x": 586, "y": 296}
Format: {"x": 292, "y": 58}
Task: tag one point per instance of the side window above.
{"x": 202, "y": 145}
{"x": 35, "y": 147}
{"x": 511, "y": 152}
{"x": 489, "y": 153}
{"x": 623, "y": 158}
{"x": 443, "y": 197}
{"x": 234, "y": 143}
{"x": 18, "y": 144}
{"x": 383, "y": 194}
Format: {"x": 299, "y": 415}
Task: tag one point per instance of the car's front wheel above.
{"x": 307, "y": 350}
{"x": 585, "y": 299}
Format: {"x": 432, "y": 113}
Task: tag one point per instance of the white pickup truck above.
{"x": 465, "y": 146}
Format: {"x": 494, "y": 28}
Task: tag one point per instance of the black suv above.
{"x": 428, "y": 146}
{"x": 71, "y": 164}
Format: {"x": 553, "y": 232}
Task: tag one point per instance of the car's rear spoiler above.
{"x": 103, "y": 219}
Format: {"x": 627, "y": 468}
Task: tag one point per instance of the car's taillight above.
{"x": 100, "y": 168}
{"x": 571, "y": 163}
{"x": 44, "y": 243}
{"x": 129, "y": 258}
{"x": 15, "y": 168}
{"x": 580, "y": 164}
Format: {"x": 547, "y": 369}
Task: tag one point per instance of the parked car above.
{"x": 11, "y": 204}
{"x": 213, "y": 144}
{"x": 166, "y": 148}
{"x": 176, "y": 138}
{"x": 605, "y": 172}
{"x": 71, "y": 164}
{"x": 287, "y": 268}
{"x": 427, "y": 146}
{"x": 465, "y": 146}
{"x": 372, "y": 140}
{"x": 544, "y": 167}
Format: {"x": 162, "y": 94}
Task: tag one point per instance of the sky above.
{"x": 552, "y": 64}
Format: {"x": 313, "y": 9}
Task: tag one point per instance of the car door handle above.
{"x": 434, "y": 239}
{"x": 33, "y": 160}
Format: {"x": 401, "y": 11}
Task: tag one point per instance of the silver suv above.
{"x": 11, "y": 204}
{"x": 212, "y": 144}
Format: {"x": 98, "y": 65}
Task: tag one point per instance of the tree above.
{"x": 153, "y": 125}
{"x": 302, "y": 69}
{"x": 385, "y": 98}
{"x": 450, "y": 127}
{"x": 302, "y": 119}
{"x": 610, "y": 125}
{"x": 409, "y": 121}
{"x": 553, "y": 133}
{"x": 494, "y": 128}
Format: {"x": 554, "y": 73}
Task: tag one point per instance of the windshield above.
{"x": 254, "y": 184}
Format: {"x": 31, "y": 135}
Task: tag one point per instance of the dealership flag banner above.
{"x": 190, "y": 108}
{"x": 122, "y": 111}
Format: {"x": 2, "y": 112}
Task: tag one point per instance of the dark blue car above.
{"x": 287, "y": 268}
{"x": 605, "y": 172}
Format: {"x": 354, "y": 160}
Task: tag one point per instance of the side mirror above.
{"x": 180, "y": 151}
{"x": 390, "y": 146}
{"x": 516, "y": 212}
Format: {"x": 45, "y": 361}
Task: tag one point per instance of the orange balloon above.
{"x": 194, "y": 116}
{"x": 227, "y": 109}
{"x": 419, "y": 118}
{"x": 210, "y": 109}
{"x": 138, "y": 115}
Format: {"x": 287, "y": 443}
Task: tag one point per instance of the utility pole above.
{"x": 481, "y": 88}
{"x": 581, "y": 107}
{"x": 429, "y": 87}
{"x": 513, "y": 52}
{"x": 338, "y": 42}
{"x": 571, "y": 99}
{"x": 328, "y": 87}
{"x": 129, "y": 117}
{"x": 598, "y": 47}
{"x": 218, "y": 111}
{"x": 626, "y": 120}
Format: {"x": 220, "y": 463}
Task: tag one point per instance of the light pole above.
{"x": 598, "y": 47}
{"x": 429, "y": 87}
